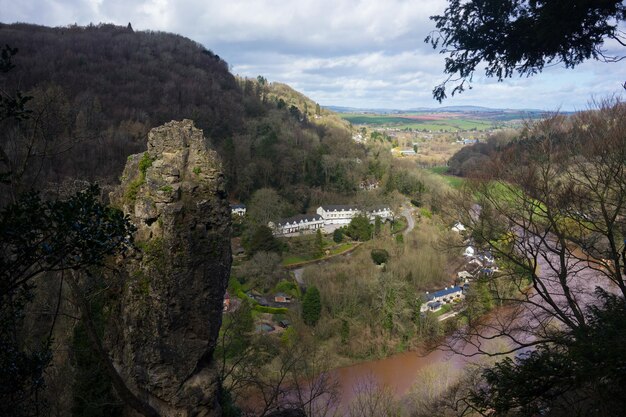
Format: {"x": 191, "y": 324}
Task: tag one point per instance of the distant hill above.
{"x": 99, "y": 89}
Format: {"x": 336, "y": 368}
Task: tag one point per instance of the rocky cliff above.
{"x": 171, "y": 304}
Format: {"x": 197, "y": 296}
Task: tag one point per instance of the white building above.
{"x": 295, "y": 224}
{"x": 338, "y": 214}
{"x": 436, "y": 299}
{"x": 238, "y": 210}
{"x": 384, "y": 212}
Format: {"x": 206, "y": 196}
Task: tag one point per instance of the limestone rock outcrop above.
{"x": 170, "y": 307}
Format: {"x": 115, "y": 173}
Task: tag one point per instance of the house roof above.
{"x": 444, "y": 292}
{"x": 339, "y": 207}
{"x": 237, "y": 206}
{"x": 301, "y": 218}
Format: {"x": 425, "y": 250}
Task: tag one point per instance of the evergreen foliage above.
{"x": 359, "y": 228}
{"x": 338, "y": 235}
{"x": 319, "y": 244}
{"x": 311, "y": 306}
{"x": 522, "y": 37}
{"x": 262, "y": 240}
{"x": 379, "y": 256}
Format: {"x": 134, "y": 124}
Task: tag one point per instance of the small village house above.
{"x": 297, "y": 224}
{"x": 384, "y": 212}
{"x": 447, "y": 295}
{"x": 282, "y": 298}
{"x": 238, "y": 210}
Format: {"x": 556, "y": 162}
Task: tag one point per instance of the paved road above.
{"x": 408, "y": 215}
{"x": 297, "y": 273}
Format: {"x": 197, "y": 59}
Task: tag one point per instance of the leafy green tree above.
{"x": 311, "y": 306}
{"x": 514, "y": 36}
{"x": 262, "y": 240}
{"x": 359, "y": 228}
{"x": 338, "y": 235}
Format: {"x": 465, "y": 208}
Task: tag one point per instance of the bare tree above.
{"x": 372, "y": 400}
{"x": 551, "y": 207}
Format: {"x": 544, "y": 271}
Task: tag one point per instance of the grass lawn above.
{"x": 296, "y": 259}
{"x": 442, "y": 170}
{"x": 453, "y": 181}
{"x": 342, "y": 248}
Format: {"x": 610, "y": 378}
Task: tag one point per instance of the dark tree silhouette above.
{"x": 522, "y": 36}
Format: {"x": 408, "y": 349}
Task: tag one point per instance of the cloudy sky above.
{"x": 360, "y": 53}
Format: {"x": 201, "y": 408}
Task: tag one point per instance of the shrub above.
{"x": 360, "y": 228}
{"x": 338, "y": 235}
{"x": 379, "y": 256}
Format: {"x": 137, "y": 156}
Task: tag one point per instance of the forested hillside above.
{"x": 97, "y": 90}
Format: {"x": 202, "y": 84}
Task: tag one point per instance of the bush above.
{"x": 288, "y": 287}
{"x": 338, "y": 235}
{"x": 379, "y": 256}
{"x": 360, "y": 228}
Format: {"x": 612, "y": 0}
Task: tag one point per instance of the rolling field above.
{"x": 437, "y": 122}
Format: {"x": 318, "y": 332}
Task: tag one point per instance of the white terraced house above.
{"x": 295, "y": 224}
{"x": 338, "y": 214}
{"x": 384, "y": 212}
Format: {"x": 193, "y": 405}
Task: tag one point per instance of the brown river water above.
{"x": 397, "y": 372}
{"x": 400, "y": 371}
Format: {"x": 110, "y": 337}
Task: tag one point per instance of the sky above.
{"x": 353, "y": 53}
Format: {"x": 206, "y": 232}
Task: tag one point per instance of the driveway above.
{"x": 408, "y": 215}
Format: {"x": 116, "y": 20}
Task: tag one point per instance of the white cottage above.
{"x": 295, "y": 224}
{"x": 338, "y": 214}
{"x": 384, "y": 212}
